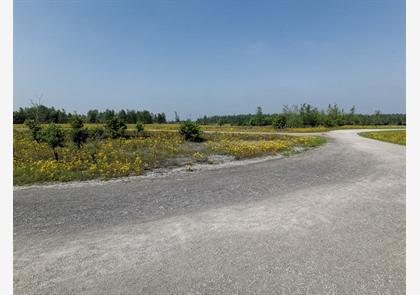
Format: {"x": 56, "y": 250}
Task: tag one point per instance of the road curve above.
{"x": 327, "y": 221}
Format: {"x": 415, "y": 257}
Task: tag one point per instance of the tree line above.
{"x": 305, "y": 115}
{"x": 43, "y": 114}
{"x": 295, "y": 116}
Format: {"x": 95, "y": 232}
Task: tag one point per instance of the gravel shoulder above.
{"x": 327, "y": 221}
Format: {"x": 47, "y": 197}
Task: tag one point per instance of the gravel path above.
{"x": 327, "y": 221}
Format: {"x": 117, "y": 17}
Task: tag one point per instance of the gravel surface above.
{"x": 327, "y": 221}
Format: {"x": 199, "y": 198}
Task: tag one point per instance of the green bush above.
{"x": 96, "y": 133}
{"x": 116, "y": 127}
{"x": 190, "y": 131}
{"x": 35, "y": 129}
{"x": 78, "y": 134}
{"x": 139, "y": 127}
{"x": 294, "y": 121}
{"x": 279, "y": 121}
{"x": 54, "y": 136}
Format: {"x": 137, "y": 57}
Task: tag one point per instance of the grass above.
{"x": 109, "y": 158}
{"x": 392, "y": 136}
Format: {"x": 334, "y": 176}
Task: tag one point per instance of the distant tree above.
{"x": 122, "y": 115}
{"x": 334, "y": 116}
{"x": 160, "y": 118}
{"x": 131, "y": 117}
{"x": 115, "y": 127}
{"x": 78, "y": 134}
{"x": 92, "y": 116}
{"x": 145, "y": 117}
{"x": 258, "y": 120}
{"x": 279, "y": 121}
{"x": 107, "y": 115}
{"x": 177, "y": 120}
{"x": 54, "y": 137}
{"x": 35, "y": 129}
{"x": 310, "y": 116}
{"x": 139, "y": 127}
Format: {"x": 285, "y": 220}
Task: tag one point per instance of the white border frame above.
{"x": 6, "y": 116}
{"x": 413, "y": 146}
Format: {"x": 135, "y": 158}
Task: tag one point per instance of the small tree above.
{"x": 160, "y": 118}
{"x": 279, "y": 121}
{"x": 258, "y": 119}
{"x": 139, "y": 127}
{"x": 78, "y": 134}
{"x": 190, "y": 131}
{"x": 54, "y": 137}
{"x": 96, "y": 133}
{"x": 35, "y": 129}
{"x": 116, "y": 127}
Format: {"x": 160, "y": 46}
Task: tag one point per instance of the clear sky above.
{"x": 210, "y": 57}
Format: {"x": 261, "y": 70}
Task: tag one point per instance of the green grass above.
{"x": 393, "y": 136}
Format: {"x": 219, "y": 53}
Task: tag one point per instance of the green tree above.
{"x": 78, "y": 134}
{"x": 115, "y": 127}
{"x": 258, "y": 120}
{"x": 139, "y": 127}
{"x": 54, "y": 136}
{"x": 190, "y": 131}
{"x": 160, "y": 118}
{"x": 279, "y": 121}
{"x": 35, "y": 129}
{"x": 122, "y": 115}
{"x": 92, "y": 116}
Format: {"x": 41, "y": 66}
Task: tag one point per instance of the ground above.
{"x": 327, "y": 221}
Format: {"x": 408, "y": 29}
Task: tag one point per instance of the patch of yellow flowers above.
{"x": 240, "y": 148}
{"x": 108, "y": 158}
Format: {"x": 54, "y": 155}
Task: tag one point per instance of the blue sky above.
{"x": 210, "y": 57}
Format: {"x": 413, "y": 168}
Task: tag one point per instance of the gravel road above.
{"x": 327, "y": 221}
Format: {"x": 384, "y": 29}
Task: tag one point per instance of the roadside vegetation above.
{"x": 392, "y": 136}
{"x": 174, "y": 127}
{"x": 80, "y": 153}
{"x": 52, "y": 145}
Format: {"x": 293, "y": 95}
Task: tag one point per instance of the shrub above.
{"x": 139, "y": 127}
{"x": 116, "y": 127}
{"x": 190, "y": 131}
{"x": 53, "y": 135}
{"x": 294, "y": 121}
{"x": 78, "y": 134}
{"x": 279, "y": 121}
{"x": 35, "y": 129}
{"x": 76, "y": 122}
{"x": 96, "y": 133}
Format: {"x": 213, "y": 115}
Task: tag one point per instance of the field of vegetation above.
{"x": 392, "y": 136}
{"x": 229, "y": 128}
{"x": 55, "y": 154}
{"x": 53, "y": 145}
